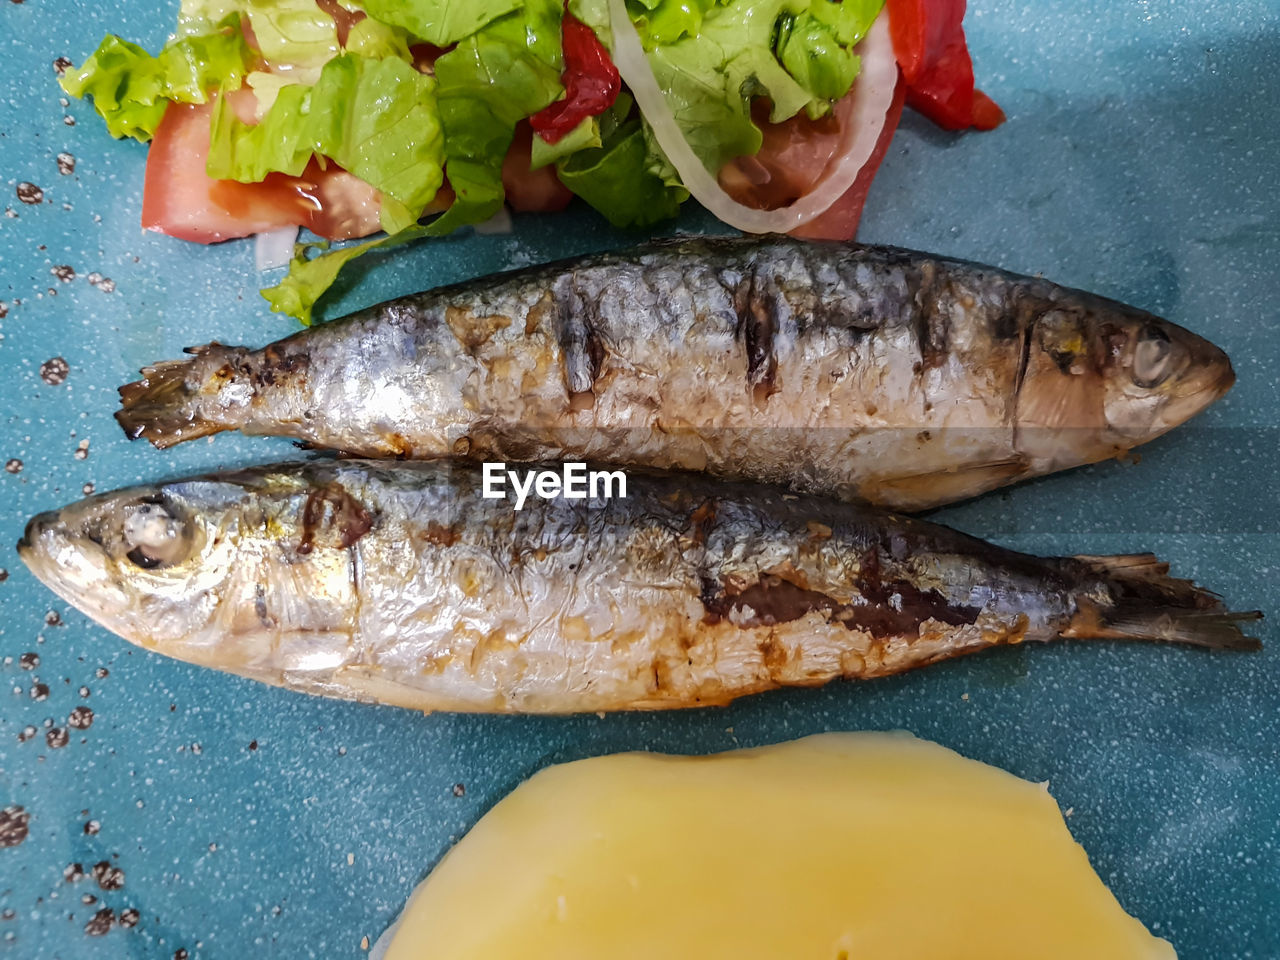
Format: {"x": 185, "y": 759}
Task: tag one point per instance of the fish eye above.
{"x": 1151, "y": 358}
{"x": 155, "y": 537}
{"x": 139, "y": 557}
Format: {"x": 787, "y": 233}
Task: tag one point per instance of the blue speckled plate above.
{"x": 1141, "y": 159}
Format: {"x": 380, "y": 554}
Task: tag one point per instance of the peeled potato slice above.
{"x": 864, "y": 846}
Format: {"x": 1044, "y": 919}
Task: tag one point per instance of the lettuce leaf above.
{"x": 848, "y": 20}
{"x": 504, "y": 72}
{"x": 281, "y": 141}
{"x": 816, "y": 46}
{"x": 440, "y": 22}
{"x": 582, "y": 137}
{"x": 712, "y": 57}
{"x": 293, "y": 35}
{"x": 372, "y": 38}
{"x": 202, "y": 16}
{"x": 375, "y": 118}
{"x": 309, "y": 276}
{"x": 614, "y": 179}
{"x": 666, "y": 21}
{"x": 131, "y": 88}
{"x": 266, "y": 87}
{"x": 809, "y": 51}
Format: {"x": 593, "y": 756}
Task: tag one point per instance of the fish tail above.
{"x": 163, "y": 406}
{"x": 1148, "y": 604}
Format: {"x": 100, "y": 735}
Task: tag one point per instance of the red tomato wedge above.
{"x": 530, "y": 191}
{"x": 341, "y": 205}
{"x": 181, "y": 200}
{"x": 840, "y": 222}
{"x": 796, "y": 154}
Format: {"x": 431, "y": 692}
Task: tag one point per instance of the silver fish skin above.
{"x": 400, "y": 583}
{"x": 874, "y": 373}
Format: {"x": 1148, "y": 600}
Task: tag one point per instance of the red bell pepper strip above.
{"x": 591, "y": 82}
{"x": 928, "y": 41}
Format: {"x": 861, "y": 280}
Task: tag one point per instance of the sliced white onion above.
{"x": 499, "y": 223}
{"x": 274, "y": 248}
{"x": 872, "y": 94}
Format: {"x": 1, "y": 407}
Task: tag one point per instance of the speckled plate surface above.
{"x": 1141, "y": 160}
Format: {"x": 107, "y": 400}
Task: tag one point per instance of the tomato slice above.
{"x": 343, "y": 206}
{"x": 530, "y": 191}
{"x": 792, "y": 157}
{"x": 796, "y": 154}
{"x": 840, "y": 221}
{"x": 181, "y": 200}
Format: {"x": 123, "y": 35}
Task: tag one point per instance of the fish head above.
{"x": 147, "y": 562}
{"x": 1158, "y": 375}
{"x": 1101, "y": 378}
{"x": 215, "y": 571}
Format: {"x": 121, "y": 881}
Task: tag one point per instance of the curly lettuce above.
{"x": 502, "y": 73}
{"x": 131, "y": 88}
{"x": 439, "y": 22}
{"x": 713, "y": 57}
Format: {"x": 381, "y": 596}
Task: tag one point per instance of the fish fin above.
{"x": 1151, "y": 605}
{"x": 926, "y": 490}
{"x": 1145, "y": 576}
{"x": 159, "y": 406}
{"x": 1219, "y": 630}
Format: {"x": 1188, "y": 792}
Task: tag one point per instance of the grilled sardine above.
{"x": 872, "y": 373}
{"x": 401, "y": 583}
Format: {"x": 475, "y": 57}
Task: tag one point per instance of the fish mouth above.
{"x": 1225, "y": 380}
{"x": 30, "y": 535}
{"x": 53, "y": 554}
{"x": 34, "y": 550}
{"x": 1213, "y": 378}
{"x": 1218, "y": 374}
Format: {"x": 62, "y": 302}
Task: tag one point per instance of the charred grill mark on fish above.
{"x": 884, "y": 610}
{"x": 278, "y": 363}
{"x": 331, "y": 513}
{"x": 1025, "y": 334}
{"x": 929, "y": 293}
{"x": 260, "y": 607}
{"x": 756, "y": 305}
{"x": 1007, "y": 324}
{"x": 702, "y": 520}
{"x": 473, "y": 330}
{"x": 577, "y": 321}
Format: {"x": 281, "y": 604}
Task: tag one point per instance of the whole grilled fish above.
{"x": 401, "y": 583}
{"x": 869, "y": 373}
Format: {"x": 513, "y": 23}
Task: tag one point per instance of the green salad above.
{"x": 419, "y": 103}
